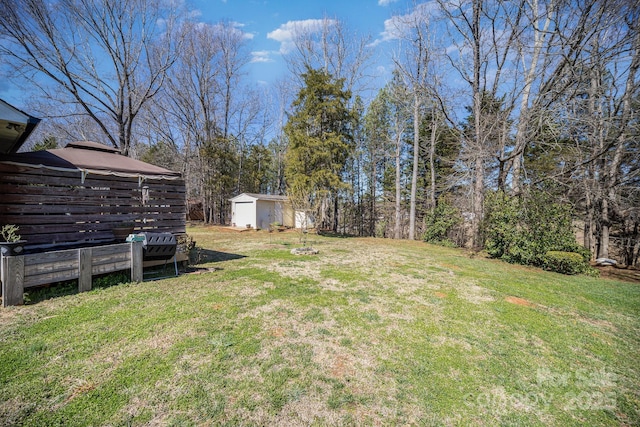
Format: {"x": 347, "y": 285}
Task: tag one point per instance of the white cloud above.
{"x": 288, "y": 32}
{"x": 398, "y": 26}
{"x": 235, "y": 28}
{"x": 261, "y": 56}
{"x": 386, "y": 2}
{"x": 194, "y": 13}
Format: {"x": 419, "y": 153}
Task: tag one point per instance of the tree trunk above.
{"x": 540, "y": 36}
{"x": 335, "y": 213}
{"x": 478, "y": 202}
{"x": 432, "y": 163}
{"x": 478, "y": 190}
{"x": 414, "y": 175}
{"x": 372, "y": 198}
{"x": 603, "y": 250}
{"x": 396, "y": 234}
{"x": 590, "y": 226}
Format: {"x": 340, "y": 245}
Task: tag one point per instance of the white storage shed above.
{"x": 261, "y": 210}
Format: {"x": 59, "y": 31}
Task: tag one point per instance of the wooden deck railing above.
{"x": 21, "y": 272}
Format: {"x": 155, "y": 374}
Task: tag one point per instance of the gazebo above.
{"x": 77, "y": 195}
{"x": 69, "y": 205}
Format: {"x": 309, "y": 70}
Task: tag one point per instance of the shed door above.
{"x": 245, "y": 213}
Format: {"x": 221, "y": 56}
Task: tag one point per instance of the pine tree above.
{"x": 320, "y": 140}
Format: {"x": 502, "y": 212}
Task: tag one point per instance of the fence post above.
{"x": 85, "y": 269}
{"x": 12, "y": 280}
{"x": 136, "y": 261}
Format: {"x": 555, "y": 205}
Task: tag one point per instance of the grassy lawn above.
{"x": 367, "y": 332}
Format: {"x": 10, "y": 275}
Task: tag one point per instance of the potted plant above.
{"x": 12, "y": 244}
{"x": 122, "y": 230}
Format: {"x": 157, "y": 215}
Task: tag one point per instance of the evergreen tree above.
{"x": 320, "y": 140}
{"x": 378, "y": 138}
{"x": 49, "y": 142}
{"x": 259, "y": 176}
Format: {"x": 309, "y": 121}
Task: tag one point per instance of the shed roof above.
{"x": 91, "y": 157}
{"x": 271, "y": 197}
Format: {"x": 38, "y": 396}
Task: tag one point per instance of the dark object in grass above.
{"x": 304, "y": 251}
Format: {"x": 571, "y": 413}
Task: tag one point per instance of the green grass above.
{"x": 367, "y": 332}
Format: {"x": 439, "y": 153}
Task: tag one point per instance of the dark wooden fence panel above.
{"x": 57, "y": 207}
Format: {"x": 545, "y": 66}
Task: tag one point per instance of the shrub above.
{"x": 565, "y": 262}
{"x": 522, "y": 230}
{"x": 440, "y": 221}
{"x": 9, "y": 233}
{"x": 501, "y": 223}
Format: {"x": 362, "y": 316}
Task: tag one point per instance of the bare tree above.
{"x": 497, "y": 48}
{"x": 283, "y": 96}
{"x": 333, "y": 49}
{"x": 216, "y": 115}
{"x": 108, "y": 57}
{"x": 415, "y": 63}
{"x": 400, "y": 101}
{"x": 608, "y": 119}
{"x": 471, "y": 61}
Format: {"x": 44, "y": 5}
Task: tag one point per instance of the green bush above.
{"x": 440, "y": 221}
{"x": 502, "y": 216}
{"x": 565, "y": 262}
{"x": 522, "y": 230}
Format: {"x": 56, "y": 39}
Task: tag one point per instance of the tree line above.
{"x": 491, "y": 104}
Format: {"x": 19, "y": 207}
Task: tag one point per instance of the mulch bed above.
{"x": 627, "y": 274}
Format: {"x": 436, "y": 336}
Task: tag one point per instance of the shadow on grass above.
{"x": 62, "y": 289}
{"x": 54, "y": 290}
{"x": 203, "y": 256}
{"x": 330, "y": 233}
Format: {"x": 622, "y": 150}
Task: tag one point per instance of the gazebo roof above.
{"x": 90, "y": 157}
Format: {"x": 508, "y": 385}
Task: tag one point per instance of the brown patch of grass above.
{"x": 341, "y": 367}
{"x": 8, "y": 313}
{"x": 442, "y": 340}
{"x": 450, "y": 266}
{"x": 475, "y": 294}
{"x": 81, "y": 389}
{"x": 519, "y": 301}
{"x": 277, "y": 332}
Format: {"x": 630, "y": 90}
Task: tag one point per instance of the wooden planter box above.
{"x": 24, "y": 271}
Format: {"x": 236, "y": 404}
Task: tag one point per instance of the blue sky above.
{"x": 268, "y": 24}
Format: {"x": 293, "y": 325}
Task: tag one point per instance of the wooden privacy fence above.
{"x": 54, "y": 207}
{"x": 25, "y": 271}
